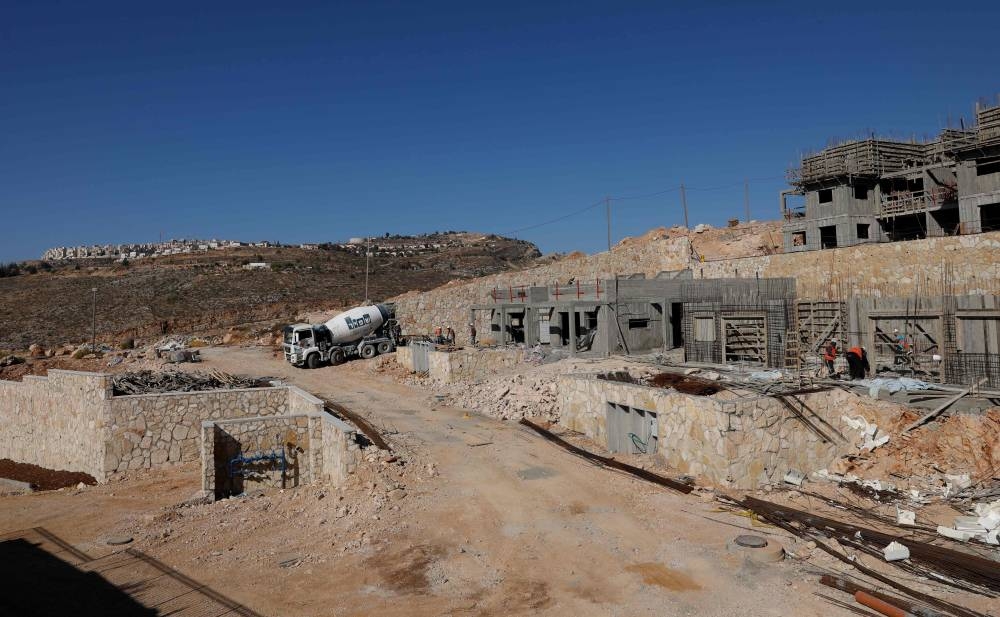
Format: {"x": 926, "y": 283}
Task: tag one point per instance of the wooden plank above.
{"x": 945, "y": 405}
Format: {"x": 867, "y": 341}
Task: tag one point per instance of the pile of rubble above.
{"x": 150, "y": 382}
{"x": 510, "y": 397}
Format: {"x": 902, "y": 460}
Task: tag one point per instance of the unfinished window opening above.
{"x": 947, "y": 219}
{"x": 990, "y": 217}
{"x": 906, "y": 227}
{"x": 704, "y": 329}
{"x": 915, "y": 184}
{"x": 745, "y": 339}
{"x": 638, "y": 323}
{"x": 825, "y": 196}
{"x": 798, "y": 238}
{"x": 985, "y": 168}
{"x": 862, "y": 231}
{"x": 631, "y": 430}
{"x": 861, "y": 192}
{"x": 828, "y": 237}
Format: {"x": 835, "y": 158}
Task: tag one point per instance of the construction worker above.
{"x": 450, "y": 336}
{"x": 472, "y": 333}
{"x": 857, "y": 362}
{"x": 900, "y": 348}
{"x": 830, "y": 356}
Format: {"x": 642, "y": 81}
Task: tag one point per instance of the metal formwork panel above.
{"x": 421, "y": 360}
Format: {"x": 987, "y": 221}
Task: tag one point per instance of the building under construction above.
{"x": 880, "y": 190}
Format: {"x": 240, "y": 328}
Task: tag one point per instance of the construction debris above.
{"x": 150, "y": 382}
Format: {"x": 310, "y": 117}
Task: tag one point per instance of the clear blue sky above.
{"x": 119, "y": 121}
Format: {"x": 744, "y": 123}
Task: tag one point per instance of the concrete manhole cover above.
{"x": 119, "y": 540}
{"x": 750, "y": 541}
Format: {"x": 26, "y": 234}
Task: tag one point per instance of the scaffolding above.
{"x": 865, "y": 158}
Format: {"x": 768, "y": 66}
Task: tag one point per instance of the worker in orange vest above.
{"x": 830, "y": 355}
{"x": 857, "y": 362}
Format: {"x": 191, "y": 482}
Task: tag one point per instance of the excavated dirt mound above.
{"x": 40, "y": 478}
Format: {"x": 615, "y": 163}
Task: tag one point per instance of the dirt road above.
{"x": 495, "y": 521}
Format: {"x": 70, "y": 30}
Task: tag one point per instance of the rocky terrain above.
{"x": 206, "y": 292}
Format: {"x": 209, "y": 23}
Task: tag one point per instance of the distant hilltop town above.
{"x": 138, "y": 251}
{"x": 391, "y": 244}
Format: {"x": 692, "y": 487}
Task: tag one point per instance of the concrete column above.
{"x": 572, "y": 330}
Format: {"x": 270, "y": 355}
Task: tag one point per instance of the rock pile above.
{"x": 509, "y": 397}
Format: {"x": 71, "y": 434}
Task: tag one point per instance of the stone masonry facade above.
{"x": 738, "y": 443}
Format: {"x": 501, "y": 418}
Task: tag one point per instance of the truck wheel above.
{"x": 368, "y": 352}
{"x": 337, "y": 356}
{"x": 383, "y": 347}
{"x": 313, "y": 360}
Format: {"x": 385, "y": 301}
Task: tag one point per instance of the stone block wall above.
{"x": 340, "y": 450}
{"x": 887, "y": 269}
{"x": 57, "y": 422}
{"x": 318, "y": 449}
{"x": 70, "y": 420}
{"x": 737, "y": 443}
{"x": 471, "y": 364}
{"x": 149, "y": 430}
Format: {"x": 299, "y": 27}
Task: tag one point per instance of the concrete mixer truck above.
{"x": 364, "y": 331}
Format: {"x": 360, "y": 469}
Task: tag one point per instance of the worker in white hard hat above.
{"x": 472, "y": 333}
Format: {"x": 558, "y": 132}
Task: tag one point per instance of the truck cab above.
{"x": 306, "y": 344}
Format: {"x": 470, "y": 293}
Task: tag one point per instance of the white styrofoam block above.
{"x": 896, "y": 552}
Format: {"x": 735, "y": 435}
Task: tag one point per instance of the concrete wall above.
{"x": 318, "y": 448}
{"x": 733, "y": 443}
{"x": 57, "y": 422}
{"x": 449, "y": 305}
{"x": 471, "y": 364}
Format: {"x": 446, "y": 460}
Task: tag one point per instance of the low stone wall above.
{"x": 69, "y": 420}
{"x": 736, "y": 443}
{"x": 149, "y": 430}
{"x": 57, "y": 422}
{"x": 404, "y": 357}
{"x": 471, "y": 364}
{"x": 317, "y": 448}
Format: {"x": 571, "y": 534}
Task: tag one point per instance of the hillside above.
{"x": 199, "y": 292}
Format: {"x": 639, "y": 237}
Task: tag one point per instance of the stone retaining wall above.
{"x": 738, "y": 443}
{"x": 149, "y": 430}
{"x": 57, "y": 422}
{"x": 70, "y": 421}
{"x": 471, "y": 364}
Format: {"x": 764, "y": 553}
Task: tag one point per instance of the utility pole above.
{"x": 93, "y": 332}
{"x": 746, "y": 198}
{"x": 684, "y": 202}
{"x": 368, "y": 255}
{"x": 607, "y": 207}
